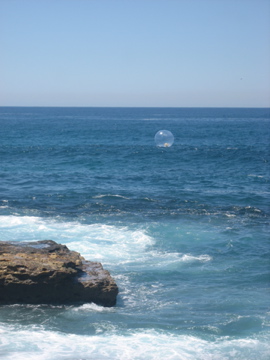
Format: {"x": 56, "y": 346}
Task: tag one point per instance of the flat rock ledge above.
{"x": 45, "y": 272}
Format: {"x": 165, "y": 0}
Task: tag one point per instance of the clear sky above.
{"x": 171, "y": 53}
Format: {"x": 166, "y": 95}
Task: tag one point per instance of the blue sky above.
{"x": 175, "y": 53}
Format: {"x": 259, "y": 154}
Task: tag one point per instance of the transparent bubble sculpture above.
{"x": 164, "y": 138}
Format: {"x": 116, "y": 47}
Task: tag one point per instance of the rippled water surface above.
{"x": 184, "y": 230}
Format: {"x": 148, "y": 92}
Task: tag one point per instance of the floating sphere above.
{"x": 164, "y": 138}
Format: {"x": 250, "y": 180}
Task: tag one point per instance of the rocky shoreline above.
{"x": 45, "y": 272}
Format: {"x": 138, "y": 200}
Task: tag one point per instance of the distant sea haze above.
{"x": 184, "y": 230}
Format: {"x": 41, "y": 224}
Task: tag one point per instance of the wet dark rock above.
{"x": 45, "y": 272}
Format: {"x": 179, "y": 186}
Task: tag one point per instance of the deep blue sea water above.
{"x": 184, "y": 230}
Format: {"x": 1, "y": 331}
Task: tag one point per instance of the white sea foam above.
{"x": 202, "y": 258}
{"x": 151, "y": 119}
{"x": 111, "y": 245}
{"x": 257, "y": 176}
{"x": 98, "y": 242}
{"x": 110, "y": 195}
{"x": 93, "y": 308}
{"x": 230, "y": 215}
{"x": 39, "y": 344}
{"x": 174, "y": 260}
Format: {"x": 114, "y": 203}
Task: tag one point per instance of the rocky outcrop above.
{"x": 44, "y": 272}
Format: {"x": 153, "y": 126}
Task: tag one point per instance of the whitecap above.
{"x": 91, "y": 307}
{"x": 254, "y": 175}
{"x": 110, "y": 196}
{"x": 39, "y": 344}
{"x": 116, "y": 247}
{"x": 230, "y": 215}
{"x": 97, "y": 242}
{"x": 201, "y": 258}
{"x": 171, "y": 261}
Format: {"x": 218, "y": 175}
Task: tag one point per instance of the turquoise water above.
{"x": 184, "y": 230}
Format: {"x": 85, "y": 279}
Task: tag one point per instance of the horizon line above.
{"x": 139, "y": 107}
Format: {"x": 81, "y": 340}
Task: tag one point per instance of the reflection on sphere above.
{"x": 164, "y": 138}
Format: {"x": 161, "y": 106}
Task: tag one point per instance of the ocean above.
{"x": 184, "y": 230}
